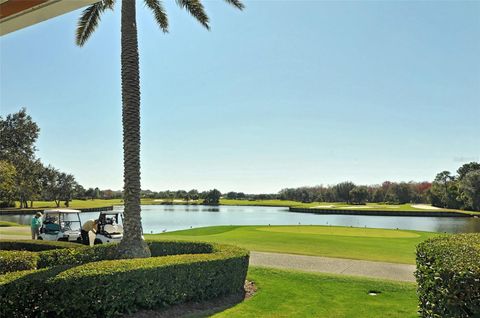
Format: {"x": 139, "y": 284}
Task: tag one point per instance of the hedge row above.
{"x": 19, "y": 255}
{"x": 448, "y": 276}
{"x": 111, "y": 287}
{"x": 35, "y": 246}
{"x": 11, "y": 261}
{"x": 62, "y": 253}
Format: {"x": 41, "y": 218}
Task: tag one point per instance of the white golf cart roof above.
{"x": 61, "y": 211}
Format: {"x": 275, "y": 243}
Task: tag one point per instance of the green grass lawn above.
{"x": 79, "y": 204}
{"x": 337, "y": 205}
{"x": 295, "y": 294}
{"x": 396, "y": 246}
{"x": 8, "y": 224}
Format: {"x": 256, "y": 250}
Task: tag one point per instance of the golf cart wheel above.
{"x": 63, "y": 239}
{"x": 97, "y": 241}
{"x": 40, "y": 238}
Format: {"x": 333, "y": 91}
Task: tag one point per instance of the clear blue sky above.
{"x": 284, "y": 94}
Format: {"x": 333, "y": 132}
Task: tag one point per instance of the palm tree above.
{"x": 133, "y": 244}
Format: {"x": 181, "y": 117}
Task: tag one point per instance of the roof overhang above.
{"x": 18, "y": 14}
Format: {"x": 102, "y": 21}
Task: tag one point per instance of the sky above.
{"x": 283, "y": 94}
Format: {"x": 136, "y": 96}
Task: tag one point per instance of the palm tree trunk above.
{"x": 132, "y": 245}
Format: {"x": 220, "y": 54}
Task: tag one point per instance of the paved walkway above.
{"x": 398, "y": 272}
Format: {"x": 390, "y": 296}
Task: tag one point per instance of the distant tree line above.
{"x": 25, "y": 179}
{"x": 387, "y": 192}
{"x": 461, "y": 191}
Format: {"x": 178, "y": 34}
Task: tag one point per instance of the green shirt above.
{"x": 36, "y": 223}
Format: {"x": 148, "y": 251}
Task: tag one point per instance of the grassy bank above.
{"x": 81, "y": 204}
{"x": 98, "y": 203}
{"x": 396, "y": 246}
{"x": 8, "y": 224}
{"x": 343, "y": 206}
{"x": 295, "y": 294}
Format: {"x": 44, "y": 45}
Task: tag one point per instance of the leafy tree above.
{"x": 399, "y": 193}
{"x": 7, "y": 184}
{"x": 420, "y": 191}
{"x": 193, "y": 194}
{"x": 49, "y": 181}
{"x": 359, "y": 195}
{"x": 132, "y": 244}
{"x": 466, "y": 168}
{"x": 342, "y": 191}
{"x": 79, "y": 192}
{"x": 65, "y": 188}
{"x": 18, "y": 133}
{"x": 469, "y": 187}
{"x": 90, "y": 193}
{"x": 444, "y": 191}
{"x": 58, "y": 186}
{"x": 31, "y": 187}
{"x": 212, "y": 197}
{"x": 378, "y": 195}
{"x": 97, "y": 194}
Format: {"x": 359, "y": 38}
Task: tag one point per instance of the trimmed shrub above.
{"x": 62, "y": 253}
{"x": 164, "y": 248}
{"x": 76, "y": 256}
{"x": 111, "y": 287}
{"x": 29, "y": 287}
{"x": 84, "y": 254}
{"x": 35, "y": 245}
{"x": 11, "y": 261}
{"x": 448, "y": 276}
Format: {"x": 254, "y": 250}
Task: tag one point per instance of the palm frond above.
{"x": 196, "y": 9}
{"x": 159, "y": 13}
{"x": 108, "y": 4}
{"x": 236, "y": 3}
{"x": 89, "y": 19}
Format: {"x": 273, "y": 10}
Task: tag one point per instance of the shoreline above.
{"x": 326, "y": 211}
{"x": 32, "y": 211}
{"x": 380, "y": 212}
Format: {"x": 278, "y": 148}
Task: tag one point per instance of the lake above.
{"x": 160, "y": 218}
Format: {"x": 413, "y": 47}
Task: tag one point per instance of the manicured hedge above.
{"x": 163, "y": 248}
{"x": 11, "y": 261}
{"x": 83, "y": 255}
{"x": 448, "y": 276}
{"x": 35, "y": 246}
{"x": 111, "y": 287}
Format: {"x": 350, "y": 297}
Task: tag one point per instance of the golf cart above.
{"x": 109, "y": 228}
{"x": 61, "y": 225}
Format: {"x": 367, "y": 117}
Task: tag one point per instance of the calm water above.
{"x": 159, "y": 218}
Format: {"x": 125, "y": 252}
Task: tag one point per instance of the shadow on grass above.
{"x": 198, "y": 309}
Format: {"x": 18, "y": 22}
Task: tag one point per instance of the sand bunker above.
{"x": 425, "y": 207}
{"x": 357, "y": 207}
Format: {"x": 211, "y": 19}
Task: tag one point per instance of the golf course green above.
{"x": 396, "y": 246}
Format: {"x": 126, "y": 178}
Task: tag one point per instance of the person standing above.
{"x": 90, "y": 225}
{"x": 36, "y": 225}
